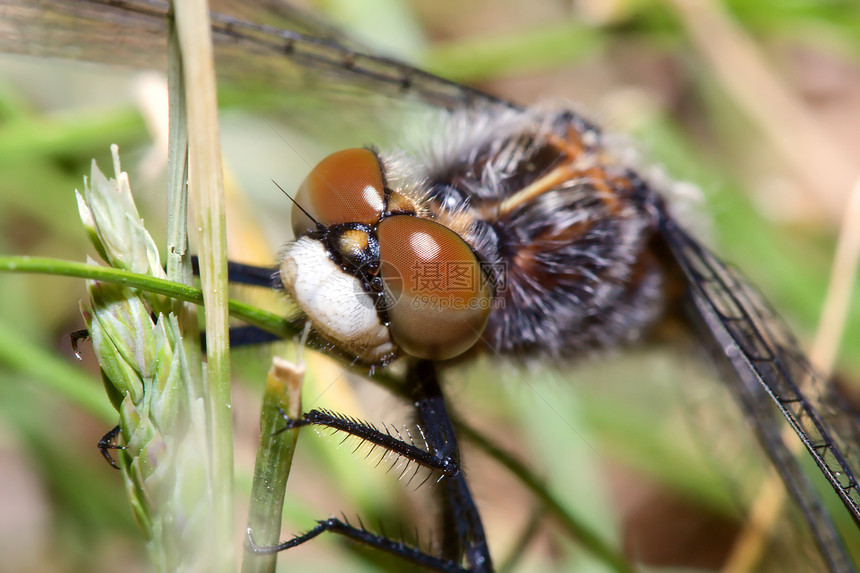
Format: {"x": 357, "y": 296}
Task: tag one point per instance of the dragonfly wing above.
{"x": 770, "y": 374}
{"x": 292, "y": 49}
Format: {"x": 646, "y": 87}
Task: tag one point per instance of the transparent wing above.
{"x": 298, "y": 50}
{"x": 770, "y": 375}
{"x": 722, "y": 436}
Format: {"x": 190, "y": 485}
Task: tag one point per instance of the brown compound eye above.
{"x": 345, "y": 187}
{"x": 439, "y": 298}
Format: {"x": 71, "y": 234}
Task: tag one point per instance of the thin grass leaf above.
{"x": 274, "y": 458}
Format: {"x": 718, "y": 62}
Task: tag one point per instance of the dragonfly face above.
{"x": 571, "y": 245}
{"x": 374, "y": 276}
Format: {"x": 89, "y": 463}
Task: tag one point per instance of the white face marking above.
{"x": 334, "y": 301}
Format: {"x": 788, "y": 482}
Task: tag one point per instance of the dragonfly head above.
{"x": 375, "y": 273}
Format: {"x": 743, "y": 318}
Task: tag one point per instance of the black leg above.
{"x": 241, "y": 273}
{"x": 364, "y": 537}
{"x": 244, "y": 336}
{"x": 462, "y": 529}
{"x": 107, "y": 443}
{"x": 445, "y": 463}
{"x": 463, "y": 532}
{"x": 76, "y": 337}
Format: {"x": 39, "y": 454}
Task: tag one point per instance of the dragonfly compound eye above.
{"x": 437, "y": 296}
{"x": 345, "y": 187}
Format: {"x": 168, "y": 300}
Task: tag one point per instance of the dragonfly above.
{"x": 525, "y": 177}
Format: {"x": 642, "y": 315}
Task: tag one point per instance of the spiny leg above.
{"x": 361, "y": 535}
{"x": 444, "y": 462}
{"x": 463, "y": 532}
{"x": 462, "y": 528}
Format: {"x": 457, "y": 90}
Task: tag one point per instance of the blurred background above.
{"x": 757, "y": 104}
